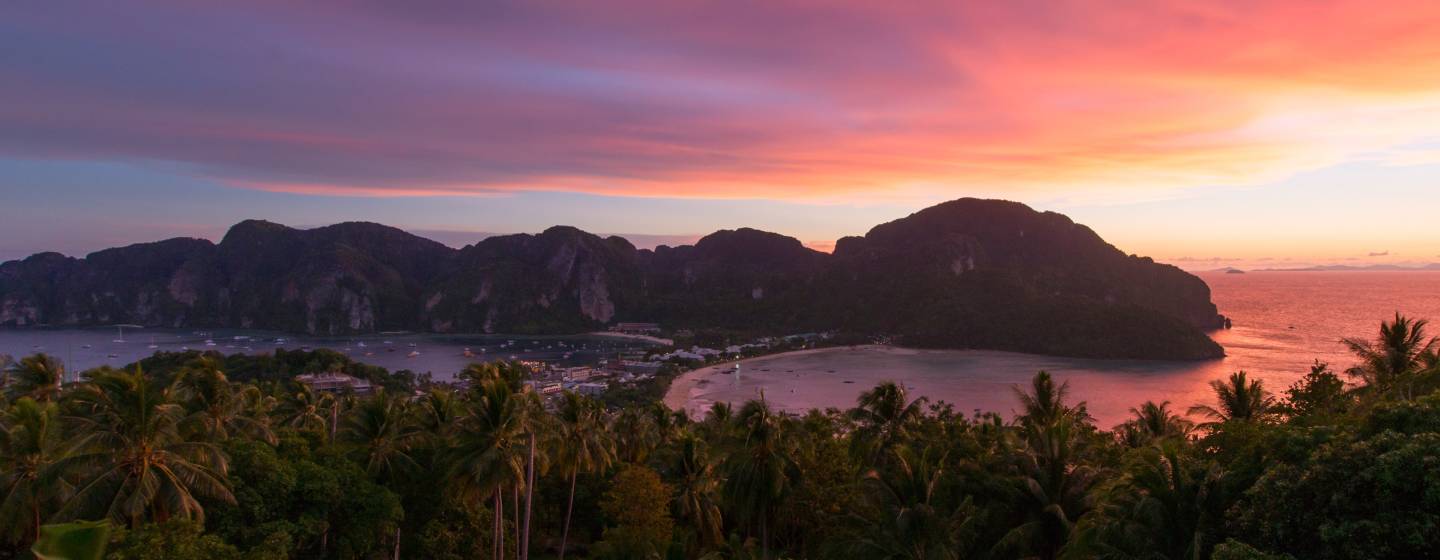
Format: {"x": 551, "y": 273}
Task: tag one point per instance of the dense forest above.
{"x": 193, "y": 456}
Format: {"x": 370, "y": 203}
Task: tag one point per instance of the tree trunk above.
{"x": 499, "y": 522}
{"x": 529, "y": 500}
{"x": 515, "y": 505}
{"x": 334, "y": 421}
{"x": 569, "y": 507}
{"x": 764, "y": 539}
{"x": 397, "y": 544}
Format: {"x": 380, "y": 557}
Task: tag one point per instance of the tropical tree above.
{"x": 912, "y": 520}
{"x": 1238, "y": 400}
{"x": 696, "y": 486}
{"x": 216, "y": 409}
{"x": 489, "y": 450}
{"x": 382, "y": 430}
{"x": 1165, "y": 504}
{"x": 439, "y": 413}
{"x": 38, "y": 377}
{"x": 304, "y": 408}
{"x": 761, "y": 469}
{"x": 584, "y": 445}
{"x": 1053, "y": 484}
{"x": 131, "y": 457}
{"x": 1153, "y": 422}
{"x": 30, "y": 443}
{"x": 883, "y": 418}
{"x": 1044, "y": 405}
{"x": 1390, "y": 363}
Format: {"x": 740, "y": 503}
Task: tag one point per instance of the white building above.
{"x": 334, "y": 382}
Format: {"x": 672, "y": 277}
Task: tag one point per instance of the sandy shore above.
{"x": 641, "y": 337}
{"x": 969, "y": 380}
{"x": 683, "y": 389}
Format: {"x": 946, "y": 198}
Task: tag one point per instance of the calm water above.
{"x": 440, "y": 355}
{"x": 1284, "y": 321}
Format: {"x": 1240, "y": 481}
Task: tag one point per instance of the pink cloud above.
{"x": 831, "y": 101}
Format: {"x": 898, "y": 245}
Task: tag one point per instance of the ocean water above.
{"x": 440, "y": 355}
{"x": 1283, "y": 323}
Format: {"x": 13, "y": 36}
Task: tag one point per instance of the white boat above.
{"x": 209, "y": 342}
{"x": 412, "y": 354}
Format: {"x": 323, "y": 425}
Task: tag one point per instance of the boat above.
{"x": 85, "y": 346}
{"x": 209, "y": 342}
{"x": 112, "y": 356}
{"x": 468, "y": 353}
{"x": 412, "y": 354}
{"x": 360, "y": 344}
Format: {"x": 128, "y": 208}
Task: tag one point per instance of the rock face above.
{"x": 964, "y": 274}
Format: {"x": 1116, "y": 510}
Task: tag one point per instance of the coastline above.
{"x": 678, "y": 396}
{"x": 641, "y": 337}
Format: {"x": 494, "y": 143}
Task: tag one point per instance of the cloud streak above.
{"x": 777, "y": 100}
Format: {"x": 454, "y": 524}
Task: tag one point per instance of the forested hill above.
{"x": 963, "y": 274}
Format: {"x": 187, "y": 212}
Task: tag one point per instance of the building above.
{"x": 335, "y": 382}
{"x": 590, "y": 389}
{"x": 545, "y": 387}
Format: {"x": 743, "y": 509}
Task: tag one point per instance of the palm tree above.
{"x": 584, "y": 446}
{"x": 1053, "y": 484}
{"x": 761, "y": 469}
{"x": 1153, "y": 422}
{"x": 533, "y": 421}
{"x": 912, "y": 521}
{"x": 883, "y": 417}
{"x": 216, "y": 409}
{"x": 1054, "y": 488}
{"x": 307, "y": 409}
{"x": 38, "y": 377}
{"x": 696, "y": 484}
{"x": 30, "y": 443}
{"x": 1163, "y": 506}
{"x": 440, "y": 412}
{"x": 382, "y": 429}
{"x": 1044, "y": 405}
{"x": 1392, "y": 361}
{"x": 635, "y": 434}
{"x": 488, "y": 453}
{"x": 131, "y": 457}
{"x": 1239, "y": 400}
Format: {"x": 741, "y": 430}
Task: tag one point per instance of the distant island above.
{"x": 970, "y": 273}
{"x": 1365, "y": 268}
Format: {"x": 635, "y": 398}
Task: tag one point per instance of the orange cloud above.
{"x": 801, "y": 101}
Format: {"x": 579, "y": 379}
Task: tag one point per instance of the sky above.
{"x": 1204, "y": 134}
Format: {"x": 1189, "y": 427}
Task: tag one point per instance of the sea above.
{"x": 440, "y": 355}
{"x": 1283, "y": 323}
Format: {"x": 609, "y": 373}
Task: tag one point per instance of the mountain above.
{"x": 968, "y": 273}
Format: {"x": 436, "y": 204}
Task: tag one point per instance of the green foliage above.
{"x": 80, "y": 540}
{"x": 638, "y": 505}
{"x": 195, "y": 464}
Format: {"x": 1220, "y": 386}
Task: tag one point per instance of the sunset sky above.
{"x": 1200, "y": 133}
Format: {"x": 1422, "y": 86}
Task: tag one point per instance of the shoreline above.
{"x": 677, "y": 397}
{"x": 640, "y": 337}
